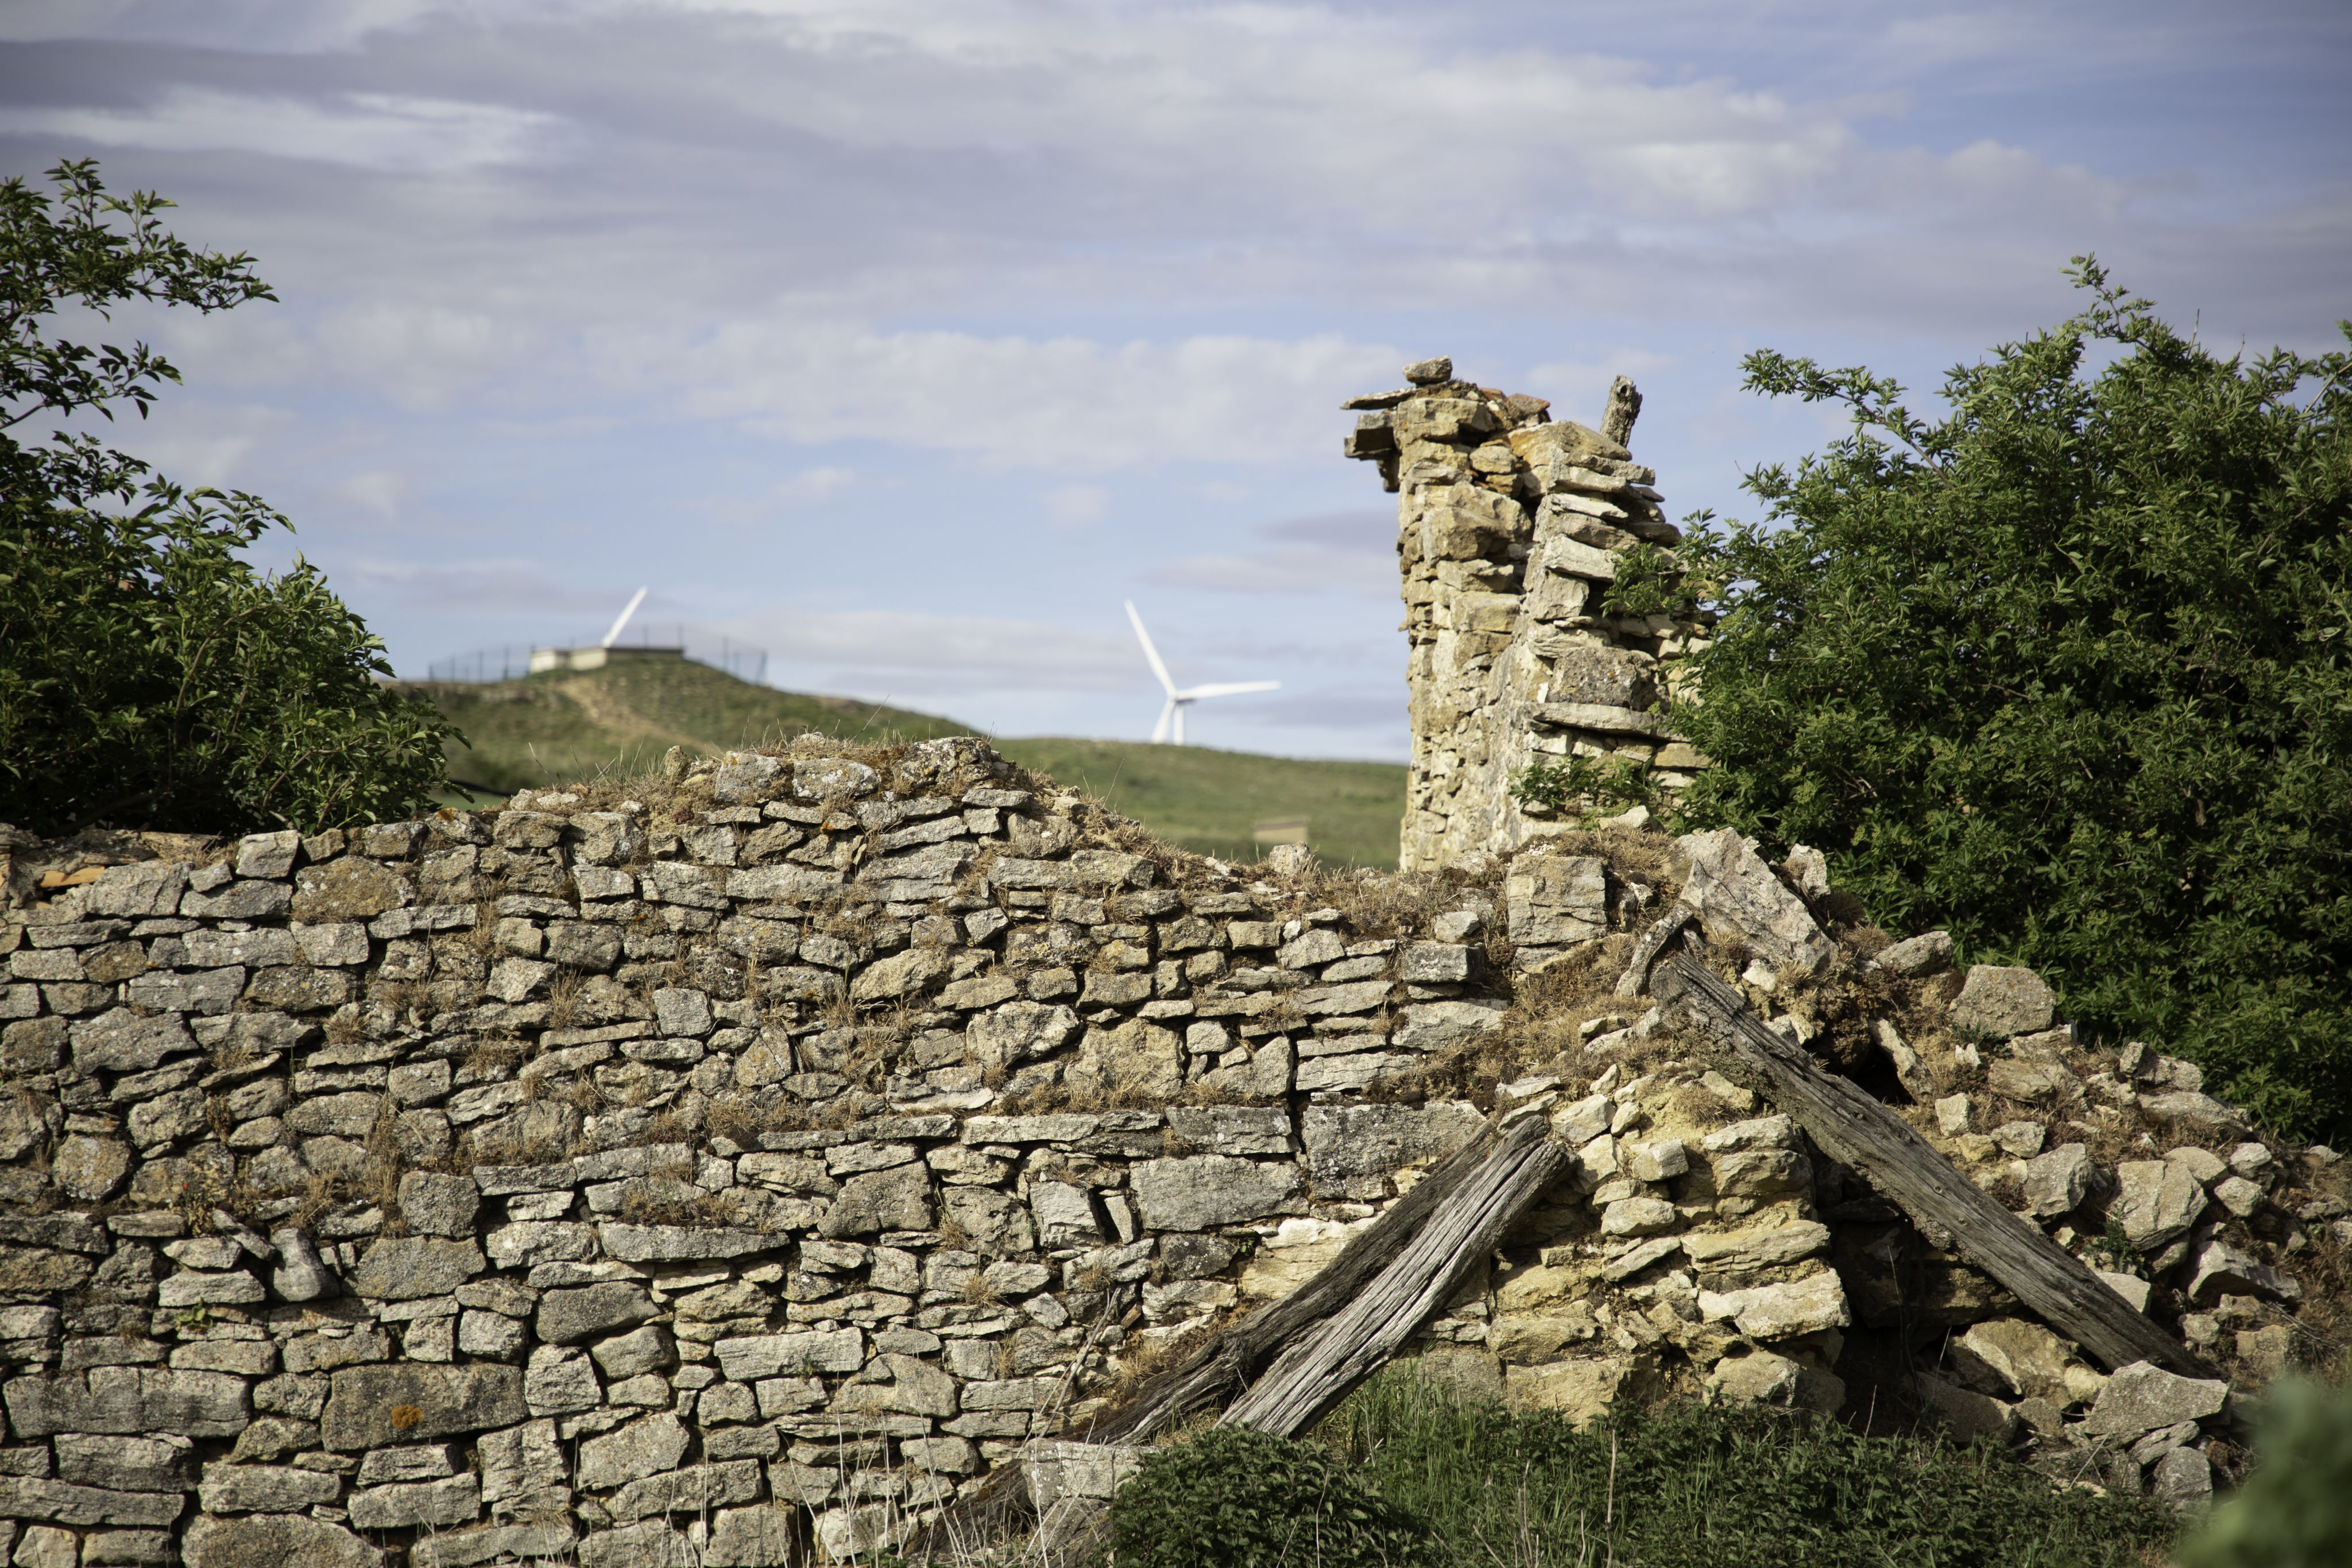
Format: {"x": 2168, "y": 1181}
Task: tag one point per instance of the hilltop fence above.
{"x": 513, "y": 661}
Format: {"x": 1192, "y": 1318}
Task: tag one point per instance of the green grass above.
{"x": 564, "y": 728}
{"x": 1206, "y": 801}
{"x": 1690, "y": 1485}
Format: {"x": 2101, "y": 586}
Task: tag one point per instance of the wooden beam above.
{"x": 1855, "y": 1130}
{"x": 1225, "y": 1365}
{"x": 1319, "y": 1368}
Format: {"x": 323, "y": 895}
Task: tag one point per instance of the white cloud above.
{"x": 514, "y": 586}
{"x": 391, "y": 132}
{"x": 1352, "y": 551}
{"x": 1075, "y": 505}
{"x": 1063, "y": 403}
{"x": 382, "y": 491}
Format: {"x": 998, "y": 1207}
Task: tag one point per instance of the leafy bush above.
{"x": 2067, "y": 673}
{"x": 1699, "y": 1485}
{"x": 1649, "y": 581}
{"x": 1233, "y": 1497}
{"x": 2296, "y": 1510}
{"x": 1592, "y": 784}
{"x": 148, "y": 674}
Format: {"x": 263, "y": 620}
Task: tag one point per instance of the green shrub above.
{"x": 1233, "y": 1497}
{"x": 1698, "y": 1486}
{"x": 2296, "y": 1510}
{"x": 2068, "y": 671}
{"x": 148, "y": 674}
{"x": 1591, "y": 784}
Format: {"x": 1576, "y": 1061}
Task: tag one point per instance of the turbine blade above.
{"x": 614, "y": 635}
{"x": 1160, "y": 730}
{"x": 1150, "y": 652}
{"x": 1229, "y": 689}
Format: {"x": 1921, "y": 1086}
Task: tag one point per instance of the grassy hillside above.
{"x": 1206, "y": 801}
{"x": 563, "y": 726}
{"x": 566, "y": 725}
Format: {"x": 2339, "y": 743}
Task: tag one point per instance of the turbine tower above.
{"x": 1178, "y": 701}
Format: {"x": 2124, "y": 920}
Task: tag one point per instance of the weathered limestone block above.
{"x": 1352, "y": 1150}
{"x": 142, "y": 890}
{"x": 1727, "y": 1252}
{"x": 376, "y": 1406}
{"x": 1740, "y": 902}
{"x": 264, "y": 1489}
{"x": 2143, "y": 1397}
{"x": 690, "y": 1489}
{"x": 566, "y": 1316}
{"x": 437, "y": 1205}
{"x": 1138, "y": 1063}
{"x": 489, "y": 1543}
{"x": 124, "y": 1463}
{"x": 1996, "y": 1003}
{"x": 1584, "y": 1390}
{"x": 1205, "y": 1190}
{"x": 875, "y": 1201}
{"x": 348, "y": 889}
{"x": 758, "y": 1537}
{"x": 123, "y": 1041}
{"x": 62, "y": 1502}
{"x": 1434, "y": 1026}
{"x": 639, "y": 1449}
{"x": 1781, "y": 1312}
{"x": 523, "y": 1468}
{"x": 2057, "y": 1182}
{"x": 274, "y": 1541}
{"x": 2222, "y": 1269}
{"x": 415, "y": 1268}
{"x": 749, "y": 1358}
{"x": 2157, "y": 1200}
{"x": 2022, "y": 1359}
{"x": 1555, "y": 900}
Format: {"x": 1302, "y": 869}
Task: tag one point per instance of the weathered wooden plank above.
{"x": 1902, "y": 1167}
{"x": 1319, "y": 1368}
{"x": 1225, "y": 1365}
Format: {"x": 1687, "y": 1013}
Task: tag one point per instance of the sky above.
{"x": 906, "y": 338}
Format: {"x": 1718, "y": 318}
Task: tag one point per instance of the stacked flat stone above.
{"x": 682, "y": 1183}
{"x": 791, "y": 1154}
{"x": 1510, "y": 526}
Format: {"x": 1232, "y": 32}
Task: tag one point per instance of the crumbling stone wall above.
{"x": 747, "y": 1172}
{"x": 1511, "y": 528}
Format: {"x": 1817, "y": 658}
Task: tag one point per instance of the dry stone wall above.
{"x": 734, "y": 1177}
{"x": 1511, "y": 525}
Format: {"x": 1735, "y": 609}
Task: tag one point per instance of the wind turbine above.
{"x": 1179, "y": 701}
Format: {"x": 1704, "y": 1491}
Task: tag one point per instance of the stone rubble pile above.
{"x": 2163, "y": 1190}
{"x": 758, "y": 1169}
{"x": 1511, "y": 529}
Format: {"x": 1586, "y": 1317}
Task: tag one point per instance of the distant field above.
{"x": 1206, "y": 801}
{"x": 565, "y": 726}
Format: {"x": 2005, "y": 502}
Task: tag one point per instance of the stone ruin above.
{"x": 754, "y": 1170}
{"x": 1511, "y": 526}
{"x": 766, "y": 1168}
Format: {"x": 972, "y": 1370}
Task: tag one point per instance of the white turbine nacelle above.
{"x": 1178, "y": 701}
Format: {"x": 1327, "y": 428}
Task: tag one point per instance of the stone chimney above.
{"x": 1511, "y": 528}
